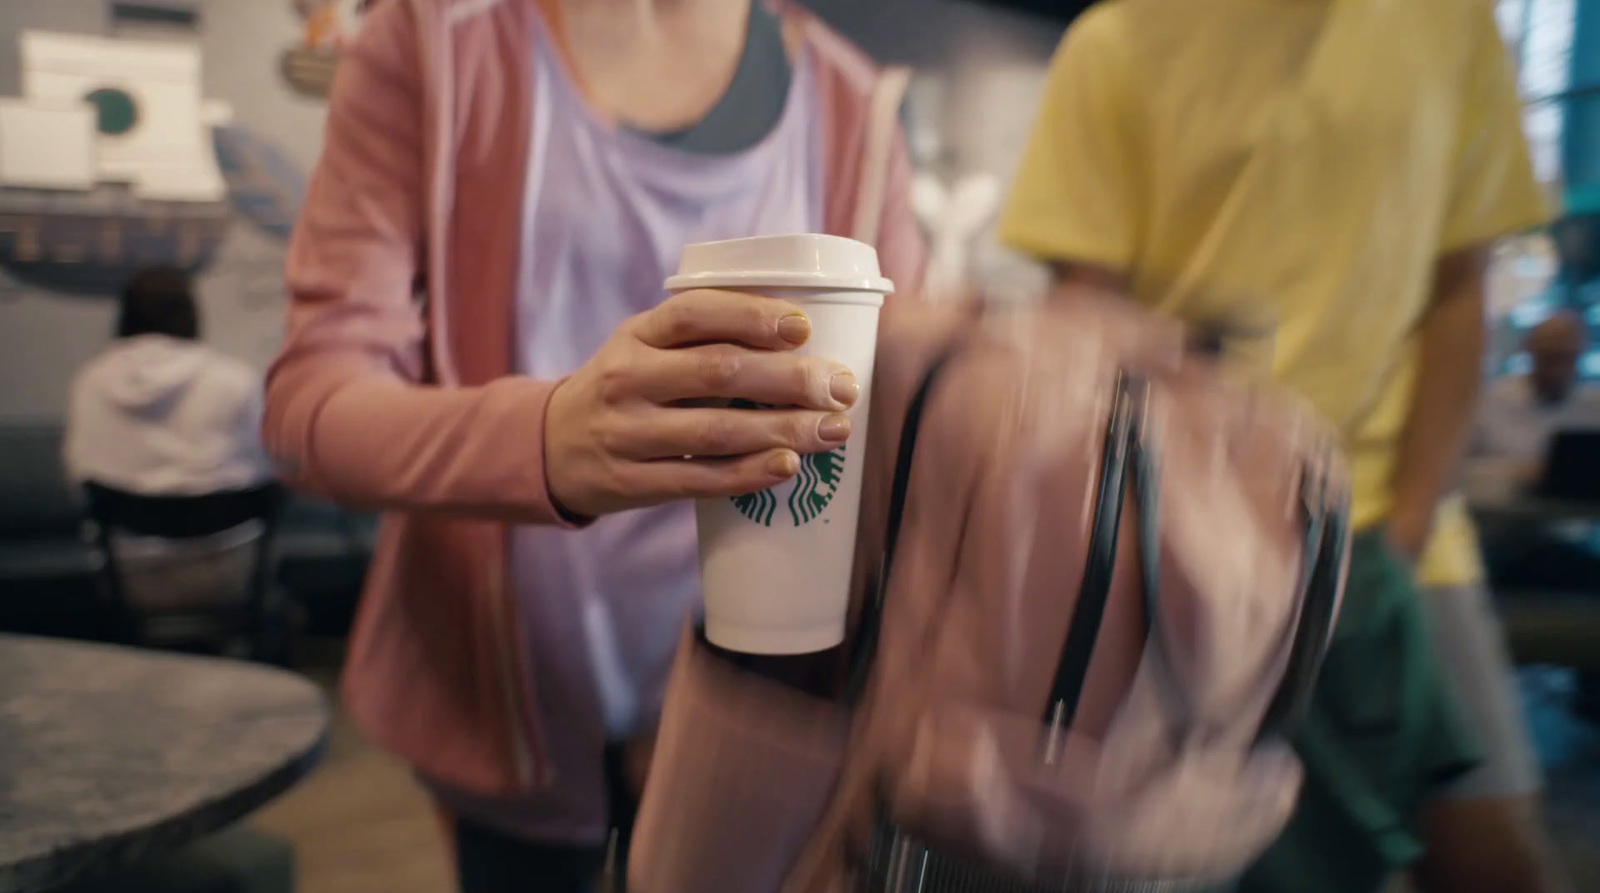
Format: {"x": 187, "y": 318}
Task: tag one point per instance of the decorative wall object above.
{"x": 263, "y": 138}
{"x": 153, "y": 194}
{"x": 329, "y": 25}
{"x": 112, "y": 159}
{"x": 264, "y": 183}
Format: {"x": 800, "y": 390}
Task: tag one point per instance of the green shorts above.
{"x": 1382, "y": 734}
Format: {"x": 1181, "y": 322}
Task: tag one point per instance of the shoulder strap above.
{"x": 1326, "y": 541}
{"x": 866, "y": 647}
{"x": 883, "y": 117}
{"x": 1100, "y": 565}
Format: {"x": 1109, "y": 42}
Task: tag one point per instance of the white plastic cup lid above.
{"x": 803, "y": 260}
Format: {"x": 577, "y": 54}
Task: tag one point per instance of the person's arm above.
{"x": 1493, "y": 194}
{"x": 1450, "y": 342}
{"x": 345, "y": 415}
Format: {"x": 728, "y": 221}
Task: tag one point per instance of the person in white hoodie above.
{"x": 158, "y": 413}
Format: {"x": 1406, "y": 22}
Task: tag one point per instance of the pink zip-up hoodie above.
{"x": 395, "y": 391}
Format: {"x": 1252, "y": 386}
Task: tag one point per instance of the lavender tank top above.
{"x": 607, "y": 212}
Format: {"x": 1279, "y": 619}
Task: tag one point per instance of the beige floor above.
{"x": 360, "y": 824}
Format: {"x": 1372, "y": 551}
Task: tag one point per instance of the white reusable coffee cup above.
{"x": 775, "y": 566}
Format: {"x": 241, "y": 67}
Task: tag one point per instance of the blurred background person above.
{"x": 1324, "y": 180}
{"x": 512, "y": 643}
{"x": 159, "y": 413}
{"x": 1518, "y": 419}
{"x": 1520, "y": 413}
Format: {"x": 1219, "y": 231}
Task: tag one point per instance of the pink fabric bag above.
{"x": 1097, "y": 581}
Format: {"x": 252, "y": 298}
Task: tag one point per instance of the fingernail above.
{"x": 834, "y": 428}
{"x": 844, "y": 388}
{"x": 785, "y": 464}
{"x": 794, "y": 328}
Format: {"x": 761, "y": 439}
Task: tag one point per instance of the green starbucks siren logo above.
{"x": 803, "y": 498}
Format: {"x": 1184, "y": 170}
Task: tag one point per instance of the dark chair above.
{"x": 47, "y": 570}
{"x": 198, "y": 529}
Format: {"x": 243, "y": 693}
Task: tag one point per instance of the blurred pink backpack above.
{"x": 1097, "y": 581}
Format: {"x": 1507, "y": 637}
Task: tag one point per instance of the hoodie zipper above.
{"x": 436, "y": 43}
{"x": 511, "y": 665}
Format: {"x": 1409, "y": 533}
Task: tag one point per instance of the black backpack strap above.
{"x": 1327, "y": 529}
{"x": 866, "y": 645}
{"x": 1146, "y": 482}
{"x": 1087, "y": 615}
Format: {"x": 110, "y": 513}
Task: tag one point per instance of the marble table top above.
{"x": 109, "y": 754}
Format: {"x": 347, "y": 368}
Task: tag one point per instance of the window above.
{"x": 1539, "y": 34}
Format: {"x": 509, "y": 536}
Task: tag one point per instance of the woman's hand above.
{"x": 630, "y": 428}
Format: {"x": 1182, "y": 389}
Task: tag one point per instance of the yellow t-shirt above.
{"x": 1241, "y": 163}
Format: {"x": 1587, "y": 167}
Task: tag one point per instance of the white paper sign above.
{"x": 46, "y": 147}
{"x": 165, "y": 151}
